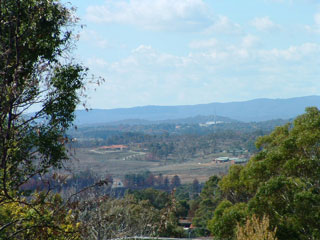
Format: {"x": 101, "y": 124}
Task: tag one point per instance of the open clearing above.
{"x": 119, "y": 163}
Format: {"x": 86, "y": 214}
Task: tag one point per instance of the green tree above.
{"x": 175, "y": 181}
{"x": 195, "y": 186}
{"x": 210, "y": 196}
{"x": 281, "y": 182}
{"x": 43, "y": 217}
{"x": 157, "y": 198}
{"x": 36, "y": 75}
{"x": 166, "y": 183}
{"x": 225, "y": 219}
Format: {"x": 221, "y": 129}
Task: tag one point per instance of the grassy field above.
{"x": 119, "y": 163}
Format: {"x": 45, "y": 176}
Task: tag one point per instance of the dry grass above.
{"x": 120, "y": 163}
{"x": 256, "y": 229}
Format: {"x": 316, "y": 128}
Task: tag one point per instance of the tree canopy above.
{"x": 280, "y": 182}
{"x": 39, "y": 91}
{"x": 210, "y": 196}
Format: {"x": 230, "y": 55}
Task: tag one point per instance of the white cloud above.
{"x": 224, "y": 25}
{"x": 148, "y": 76}
{"x": 293, "y": 53}
{"x": 155, "y": 14}
{"x": 142, "y": 49}
{"x": 97, "y": 62}
{"x": 221, "y": 56}
{"x": 250, "y": 41}
{"x": 93, "y": 38}
{"x": 264, "y": 24}
{"x": 208, "y": 43}
{"x": 317, "y": 19}
{"x": 315, "y": 28}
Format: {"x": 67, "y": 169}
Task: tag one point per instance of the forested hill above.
{"x": 247, "y": 111}
{"x": 190, "y": 120}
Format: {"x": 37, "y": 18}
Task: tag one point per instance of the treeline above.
{"x": 148, "y": 212}
{"x": 106, "y": 131}
{"x": 276, "y": 194}
{"x": 148, "y": 179}
{"x": 171, "y": 147}
{"x": 127, "y": 134}
{"x": 169, "y": 143}
{"x": 66, "y": 183}
{"x": 184, "y": 147}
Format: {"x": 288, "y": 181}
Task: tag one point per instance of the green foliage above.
{"x": 210, "y": 196}
{"x": 143, "y": 180}
{"x": 175, "y": 181}
{"x": 42, "y": 218}
{"x": 281, "y": 181}
{"x": 232, "y": 184}
{"x": 157, "y": 198}
{"x": 195, "y": 187}
{"x": 34, "y": 36}
{"x": 183, "y": 192}
{"x": 225, "y": 219}
{"x": 171, "y": 144}
{"x": 37, "y": 75}
{"x": 182, "y": 209}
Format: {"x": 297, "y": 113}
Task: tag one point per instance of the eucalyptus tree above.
{"x": 40, "y": 86}
{"x": 281, "y": 182}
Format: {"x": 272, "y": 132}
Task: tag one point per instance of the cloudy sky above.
{"x": 176, "y": 52}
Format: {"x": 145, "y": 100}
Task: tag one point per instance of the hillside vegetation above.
{"x": 183, "y": 177}
{"x": 247, "y": 111}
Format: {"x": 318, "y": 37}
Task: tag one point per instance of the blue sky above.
{"x": 165, "y": 52}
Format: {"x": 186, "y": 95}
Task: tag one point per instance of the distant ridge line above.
{"x": 261, "y": 109}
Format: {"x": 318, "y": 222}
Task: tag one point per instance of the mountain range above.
{"x": 256, "y": 110}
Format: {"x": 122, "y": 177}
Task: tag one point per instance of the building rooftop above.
{"x": 114, "y": 147}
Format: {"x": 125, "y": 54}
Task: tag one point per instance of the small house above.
{"x": 114, "y": 147}
{"x": 117, "y": 183}
{"x": 221, "y": 159}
